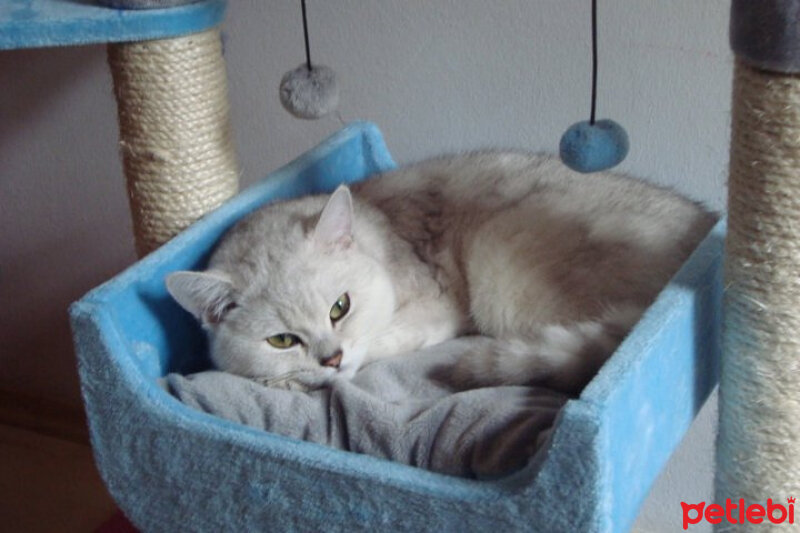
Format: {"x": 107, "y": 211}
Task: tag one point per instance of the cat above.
{"x": 555, "y": 266}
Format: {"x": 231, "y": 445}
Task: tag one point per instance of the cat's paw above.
{"x": 284, "y": 384}
{"x": 299, "y": 383}
{"x": 299, "y": 386}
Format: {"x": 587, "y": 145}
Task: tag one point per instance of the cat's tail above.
{"x": 564, "y": 357}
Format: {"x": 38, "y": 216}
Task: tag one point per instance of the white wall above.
{"x": 437, "y": 75}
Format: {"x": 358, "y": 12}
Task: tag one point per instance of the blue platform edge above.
{"x": 170, "y": 467}
{"x": 40, "y": 23}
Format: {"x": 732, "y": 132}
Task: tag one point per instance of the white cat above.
{"x": 556, "y": 266}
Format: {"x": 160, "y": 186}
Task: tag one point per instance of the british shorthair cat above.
{"x": 555, "y": 266}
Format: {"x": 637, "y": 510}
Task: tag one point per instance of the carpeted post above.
{"x": 758, "y": 447}
{"x": 175, "y": 134}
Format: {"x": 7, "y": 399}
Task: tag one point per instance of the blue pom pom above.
{"x": 590, "y": 148}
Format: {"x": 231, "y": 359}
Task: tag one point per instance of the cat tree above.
{"x": 182, "y": 469}
{"x": 758, "y": 447}
{"x": 171, "y": 89}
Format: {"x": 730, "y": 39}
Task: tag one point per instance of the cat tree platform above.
{"x": 170, "y": 467}
{"x": 40, "y": 23}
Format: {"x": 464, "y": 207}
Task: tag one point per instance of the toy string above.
{"x": 305, "y": 34}
{"x": 594, "y": 62}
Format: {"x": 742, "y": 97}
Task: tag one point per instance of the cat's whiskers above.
{"x": 283, "y": 378}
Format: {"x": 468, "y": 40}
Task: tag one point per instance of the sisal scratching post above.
{"x": 175, "y": 134}
{"x": 758, "y": 447}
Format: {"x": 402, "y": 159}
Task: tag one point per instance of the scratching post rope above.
{"x": 758, "y": 447}
{"x": 175, "y": 135}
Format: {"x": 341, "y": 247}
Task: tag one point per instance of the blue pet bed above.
{"x": 172, "y": 468}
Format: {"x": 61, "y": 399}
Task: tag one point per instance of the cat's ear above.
{"x": 335, "y": 225}
{"x": 207, "y": 295}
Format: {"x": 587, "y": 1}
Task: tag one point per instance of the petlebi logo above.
{"x": 738, "y": 512}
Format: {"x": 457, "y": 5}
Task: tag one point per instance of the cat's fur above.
{"x": 554, "y": 265}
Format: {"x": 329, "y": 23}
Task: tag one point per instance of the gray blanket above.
{"x": 392, "y": 409}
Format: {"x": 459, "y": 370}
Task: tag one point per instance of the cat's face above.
{"x": 310, "y": 319}
{"x": 305, "y": 315}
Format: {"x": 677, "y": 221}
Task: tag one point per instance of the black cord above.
{"x": 594, "y": 61}
{"x": 305, "y": 34}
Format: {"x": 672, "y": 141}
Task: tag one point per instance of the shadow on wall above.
{"x": 63, "y": 209}
{"x": 31, "y": 79}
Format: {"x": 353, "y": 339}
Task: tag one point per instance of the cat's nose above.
{"x": 334, "y": 360}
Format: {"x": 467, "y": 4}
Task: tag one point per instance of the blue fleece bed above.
{"x": 178, "y": 454}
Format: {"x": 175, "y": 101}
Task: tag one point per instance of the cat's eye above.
{"x": 340, "y": 308}
{"x": 283, "y": 340}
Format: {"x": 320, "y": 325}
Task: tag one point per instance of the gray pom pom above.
{"x": 309, "y": 93}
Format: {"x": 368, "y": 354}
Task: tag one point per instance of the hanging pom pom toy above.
{"x": 309, "y": 92}
{"x": 591, "y": 146}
